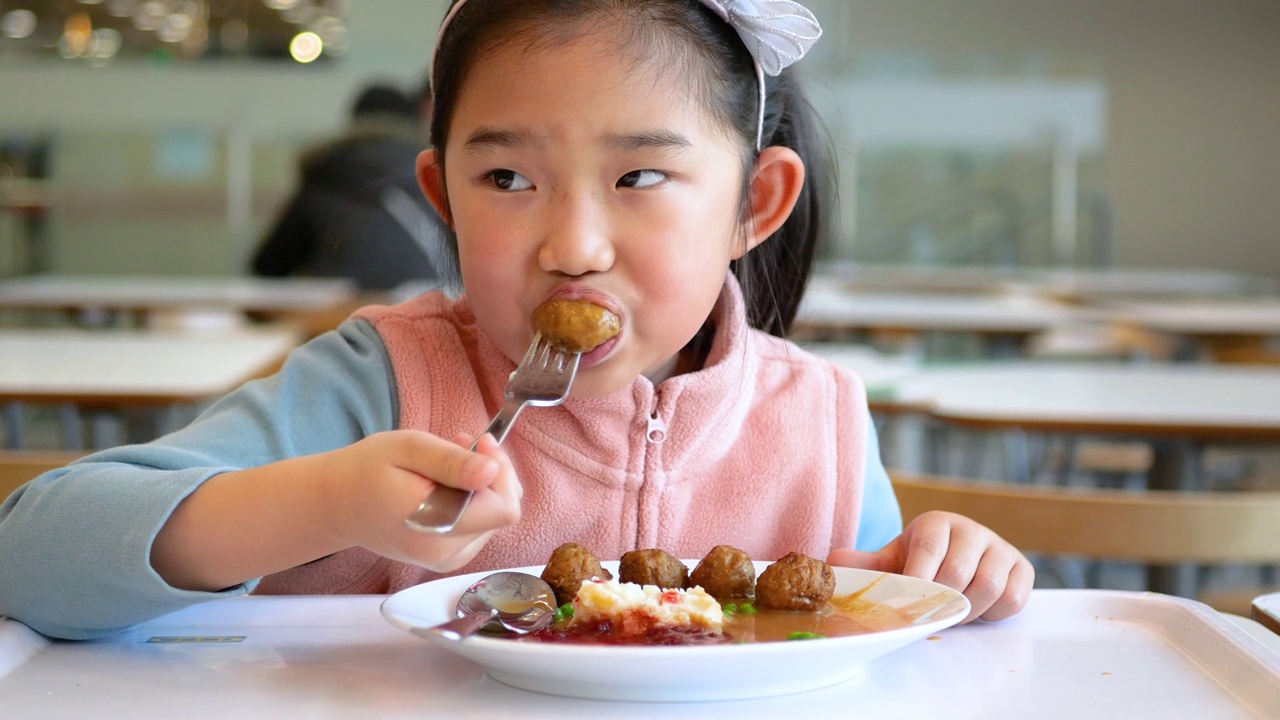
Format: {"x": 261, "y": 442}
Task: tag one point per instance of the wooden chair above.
{"x": 19, "y": 466}
{"x": 1153, "y": 527}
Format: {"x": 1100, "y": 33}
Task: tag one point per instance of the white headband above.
{"x": 777, "y": 33}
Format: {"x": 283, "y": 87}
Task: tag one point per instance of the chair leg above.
{"x": 1017, "y": 457}
{"x": 15, "y": 428}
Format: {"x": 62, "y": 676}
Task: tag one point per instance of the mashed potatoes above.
{"x": 625, "y": 603}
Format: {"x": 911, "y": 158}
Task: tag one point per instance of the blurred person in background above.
{"x": 358, "y": 212}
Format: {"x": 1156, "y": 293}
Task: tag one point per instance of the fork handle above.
{"x": 442, "y": 509}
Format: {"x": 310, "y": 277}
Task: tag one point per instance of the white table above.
{"x": 1266, "y": 610}
{"x": 1196, "y": 401}
{"x": 1070, "y": 654}
{"x": 830, "y": 303}
{"x": 1077, "y": 283}
{"x": 113, "y": 369}
{"x": 1258, "y": 316}
{"x": 1002, "y": 321}
{"x": 1243, "y": 329}
{"x": 150, "y": 295}
{"x": 1087, "y": 283}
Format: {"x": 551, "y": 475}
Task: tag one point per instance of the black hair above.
{"x": 382, "y": 99}
{"x": 703, "y": 47}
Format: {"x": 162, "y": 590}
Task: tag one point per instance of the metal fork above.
{"x": 542, "y": 380}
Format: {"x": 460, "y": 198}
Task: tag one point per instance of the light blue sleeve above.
{"x": 881, "y": 519}
{"x": 75, "y": 543}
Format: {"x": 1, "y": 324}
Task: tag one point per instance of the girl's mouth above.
{"x": 598, "y": 354}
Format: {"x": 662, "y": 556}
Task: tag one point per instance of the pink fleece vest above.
{"x": 763, "y": 449}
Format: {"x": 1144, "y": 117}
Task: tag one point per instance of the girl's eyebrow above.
{"x": 487, "y": 138}
{"x": 649, "y": 140}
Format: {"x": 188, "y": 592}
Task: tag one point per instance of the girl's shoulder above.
{"x": 430, "y": 305}
{"x": 799, "y": 367}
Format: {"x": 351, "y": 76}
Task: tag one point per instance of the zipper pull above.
{"x": 657, "y": 430}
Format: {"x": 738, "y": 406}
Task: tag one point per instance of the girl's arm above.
{"x": 246, "y": 524}
{"x": 76, "y": 544}
{"x": 881, "y": 519}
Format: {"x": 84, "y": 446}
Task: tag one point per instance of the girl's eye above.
{"x": 641, "y": 178}
{"x": 508, "y": 180}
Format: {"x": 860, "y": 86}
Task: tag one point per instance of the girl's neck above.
{"x": 691, "y": 358}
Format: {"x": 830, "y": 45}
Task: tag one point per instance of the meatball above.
{"x": 726, "y": 573}
{"x": 569, "y": 566}
{"x": 796, "y": 582}
{"x": 653, "y": 567}
{"x": 575, "y": 326}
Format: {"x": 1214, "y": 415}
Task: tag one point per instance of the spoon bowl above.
{"x": 512, "y": 601}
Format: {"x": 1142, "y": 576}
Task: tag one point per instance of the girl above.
{"x": 626, "y": 152}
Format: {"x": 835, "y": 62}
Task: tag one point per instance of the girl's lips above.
{"x": 590, "y": 295}
{"x": 597, "y": 355}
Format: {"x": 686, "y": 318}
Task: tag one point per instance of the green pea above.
{"x": 564, "y": 612}
{"x": 729, "y": 608}
{"x": 804, "y": 636}
{"x": 747, "y": 609}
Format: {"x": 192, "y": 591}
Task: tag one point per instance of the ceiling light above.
{"x": 18, "y": 24}
{"x": 306, "y": 47}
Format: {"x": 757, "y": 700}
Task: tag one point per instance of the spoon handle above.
{"x": 459, "y": 628}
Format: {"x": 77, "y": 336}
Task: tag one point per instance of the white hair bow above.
{"x": 777, "y": 33}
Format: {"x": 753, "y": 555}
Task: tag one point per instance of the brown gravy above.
{"x": 844, "y": 615}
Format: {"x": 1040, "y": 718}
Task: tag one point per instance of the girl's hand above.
{"x": 374, "y": 484}
{"x": 957, "y": 552}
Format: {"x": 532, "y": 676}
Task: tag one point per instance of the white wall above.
{"x": 1193, "y": 99}
{"x": 1192, "y": 161}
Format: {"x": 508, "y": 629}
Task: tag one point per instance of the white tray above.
{"x": 1070, "y": 654}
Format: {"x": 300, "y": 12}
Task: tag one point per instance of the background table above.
{"x": 1070, "y": 654}
{"x": 1266, "y": 610}
{"x": 829, "y": 303}
{"x": 114, "y": 369}
{"x": 1076, "y": 283}
{"x": 1198, "y": 402}
{"x": 143, "y": 298}
{"x": 1237, "y": 330}
{"x": 831, "y": 309}
{"x": 1178, "y": 408}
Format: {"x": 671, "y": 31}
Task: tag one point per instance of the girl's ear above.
{"x": 775, "y": 187}
{"x": 431, "y": 180}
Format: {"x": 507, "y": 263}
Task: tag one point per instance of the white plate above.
{"x": 707, "y": 672}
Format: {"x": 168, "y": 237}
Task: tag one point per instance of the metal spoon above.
{"x": 514, "y": 601}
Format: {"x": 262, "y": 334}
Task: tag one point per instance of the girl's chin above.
{"x": 587, "y": 387}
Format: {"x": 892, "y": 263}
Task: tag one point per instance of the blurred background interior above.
{"x": 160, "y": 138}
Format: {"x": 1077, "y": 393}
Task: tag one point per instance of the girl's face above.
{"x": 574, "y": 171}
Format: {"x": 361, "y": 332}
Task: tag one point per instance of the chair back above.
{"x": 1154, "y": 526}
{"x": 19, "y": 466}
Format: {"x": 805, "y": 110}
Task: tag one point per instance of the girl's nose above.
{"x": 578, "y": 240}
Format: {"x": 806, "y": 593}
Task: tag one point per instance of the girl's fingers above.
{"x": 965, "y": 551}
{"x": 506, "y": 483}
{"x": 1017, "y": 591}
{"x": 498, "y": 504}
{"x": 929, "y": 538}
{"x": 989, "y": 581}
{"x": 447, "y": 463}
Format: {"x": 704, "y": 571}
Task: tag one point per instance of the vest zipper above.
{"x": 655, "y": 434}
{"x": 657, "y": 431}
